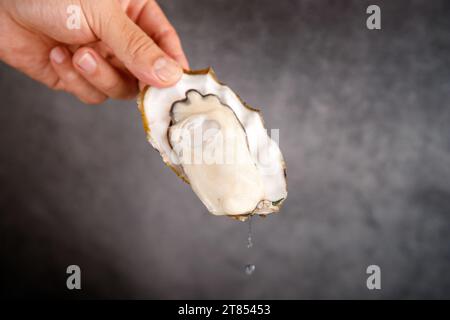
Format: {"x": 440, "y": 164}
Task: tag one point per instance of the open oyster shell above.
{"x": 217, "y": 144}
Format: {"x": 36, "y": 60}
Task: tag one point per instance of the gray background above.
{"x": 365, "y": 130}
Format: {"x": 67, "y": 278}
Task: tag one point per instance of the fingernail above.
{"x": 87, "y": 63}
{"x": 57, "y": 55}
{"x": 167, "y": 70}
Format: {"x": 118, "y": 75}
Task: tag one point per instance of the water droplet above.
{"x": 249, "y": 238}
{"x": 249, "y": 269}
{"x": 250, "y": 243}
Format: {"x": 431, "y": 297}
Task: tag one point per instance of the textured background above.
{"x": 365, "y": 130}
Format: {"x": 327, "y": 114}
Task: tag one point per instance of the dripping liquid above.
{"x": 249, "y": 235}
{"x": 249, "y": 268}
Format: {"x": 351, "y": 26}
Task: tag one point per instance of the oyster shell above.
{"x": 217, "y": 144}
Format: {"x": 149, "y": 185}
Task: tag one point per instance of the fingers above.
{"x": 90, "y": 77}
{"x": 71, "y": 80}
{"x": 99, "y": 73}
{"x": 153, "y": 21}
{"x": 132, "y": 45}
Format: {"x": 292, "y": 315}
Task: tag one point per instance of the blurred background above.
{"x": 364, "y": 122}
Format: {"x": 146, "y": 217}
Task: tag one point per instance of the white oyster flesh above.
{"x": 212, "y": 140}
{"x": 214, "y": 154}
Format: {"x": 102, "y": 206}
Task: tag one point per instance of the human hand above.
{"x": 118, "y": 43}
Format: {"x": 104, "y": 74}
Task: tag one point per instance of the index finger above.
{"x": 153, "y": 21}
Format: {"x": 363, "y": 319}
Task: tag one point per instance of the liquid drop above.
{"x": 249, "y": 269}
{"x": 249, "y": 238}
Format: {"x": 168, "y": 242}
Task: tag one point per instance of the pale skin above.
{"x": 121, "y": 45}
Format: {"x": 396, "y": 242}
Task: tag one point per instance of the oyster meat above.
{"x": 217, "y": 144}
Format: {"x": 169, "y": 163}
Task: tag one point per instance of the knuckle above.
{"x": 71, "y": 76}
{"x": 56, "y": 84}
{"x": 112, "y": 86}
{"x": 139, "y": 45}
{"x": 168, "y": 33}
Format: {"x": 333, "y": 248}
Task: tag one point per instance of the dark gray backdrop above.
{"x": 365, "y": 130}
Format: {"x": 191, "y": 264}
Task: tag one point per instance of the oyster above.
{"x": 217, "y": 144}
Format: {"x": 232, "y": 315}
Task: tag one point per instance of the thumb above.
{"x": 137, "y": 51}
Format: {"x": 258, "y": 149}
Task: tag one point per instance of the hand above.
{"x": 118, "y": 42}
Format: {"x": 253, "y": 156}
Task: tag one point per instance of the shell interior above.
{"x": 217, "y": 143}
